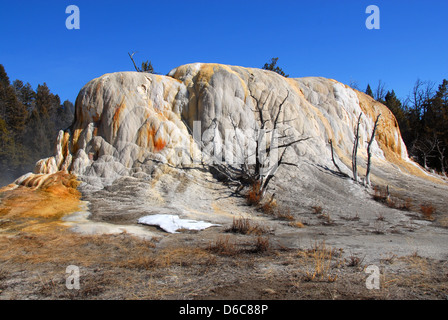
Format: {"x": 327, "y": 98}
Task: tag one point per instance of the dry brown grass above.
{"x": 223, "y": 246}
{"x": 262, "y": 244}
{"x": 269, "y": 207}
{"x": 319, "y": 258}
{"x": 253, "y": 196}
{"x": 317, "y": 209}
{"x": 405, "y": 205}
{"x": 428, "y": 211}
{"x": 285, "y": 215}
{"x": 396, "y": 202}
{"x": 68, "y": 248}
{"x": 247, "y": 226}
{"x": 326, "y": 219}
{"x": 296, "y": 224}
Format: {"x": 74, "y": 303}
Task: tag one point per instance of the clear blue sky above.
{"x": 311, "y": 38}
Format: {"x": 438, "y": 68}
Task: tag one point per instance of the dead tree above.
{"x": 355, "y": 150}
{"x": 132, "y": 58}
{"x": 425, "y": 147}
{"x": 369, "y": 151}
{"x": 146, "y": 66}
{"x": 441, "y": 150}
{"x": 259, "y": 174}
{"x": 334, "y": 161}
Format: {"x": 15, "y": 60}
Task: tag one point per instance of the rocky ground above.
{"x": 315, "y": 242}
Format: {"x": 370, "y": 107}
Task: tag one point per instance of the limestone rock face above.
{"x": 122, "y": 120}
{"x": 318, "y": 108}
{"x": 126, "y": 122}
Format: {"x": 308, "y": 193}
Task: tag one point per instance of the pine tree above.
{"x": 64, "y": 115}
{"x": 394, "y": 105}
{"x": 44, "y": 100}
{"x": 272, "y": 66}
{"x": 6, "y": 145}
{"x": 25, "y": 94}
{"x": 4, "y": 79}
{"x": 369, "y": 91}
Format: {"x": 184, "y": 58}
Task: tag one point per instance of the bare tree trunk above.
{"x": 132, "y": 58}
{"x": 441, "y": 150}
{"x": 369, "y": 152}
{"x": 334, "y": 161}
{"x": 355, "y": 151}
{"x": 426, "y": 147}
{"x": 261, "y": 173}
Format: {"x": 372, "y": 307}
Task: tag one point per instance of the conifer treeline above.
{"x": 423, "y": 121}
{"x": 29, "y": 122}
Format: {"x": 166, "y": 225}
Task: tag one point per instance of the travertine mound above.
{"x": 127, "y": 122}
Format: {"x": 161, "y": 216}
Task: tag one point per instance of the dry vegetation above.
{"x": 428, "y": 211}
{"x": 243, "y": 262}
{"x": 247, "y": 226}
{"x": 382, "y": 195}
{"x": 32, "y": 265}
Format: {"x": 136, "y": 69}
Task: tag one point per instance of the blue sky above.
{"x": 311, "y": 38}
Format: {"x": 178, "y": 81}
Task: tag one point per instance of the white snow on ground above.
{"x": 172, "y": 223}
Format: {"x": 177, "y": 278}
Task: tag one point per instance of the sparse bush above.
{"x": 262, "y": 244}
{"x": 296, "y": 224}
{"x": 321, "y": 258}
{"x": 317, "y": 209}
{"x": 354, "y": 261}
{"x": 269, "y": 207}
{"x": 142, "y": 262}
{"x": 245, "y": 226}
{"x": 285, "y": 215}
{"x": 380, "y": 194}
{"x": 326, "y": 219}
{"x": 223, "y": 246}
{"x": 406, "y": 205}
{"x": 351, "y": 218}
{"x": 427, "y": 210}
{"x": 254, "y": 195}
{"x": 378, "y": 227}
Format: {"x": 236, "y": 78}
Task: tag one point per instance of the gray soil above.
{"x": 345, "y": 230}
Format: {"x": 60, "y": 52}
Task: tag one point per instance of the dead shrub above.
{"x": 326, "y": 219}
{"x": 262, "y": 244}
{"x": 141, "y": 262}
{"x": 269, "y": 207}
{"x": 246, "y": 226}
{"x": 185, "y": 257}
{"x": 354, "y": 261}
{"x": 406, "y": 205}
{"x": 285, "y": 215}
{"x": 380, "y": 194}
{"x": 296, "y": 224}
{"x": 428, "y": 211}
{"x": 379, "y": 227}
{"x": 223, "y": 246}
{"x": 317, "y": 209}
{"x": 253, "y": 196}
{"x": 354, "y": 217}
{"x": 321, "y": 258}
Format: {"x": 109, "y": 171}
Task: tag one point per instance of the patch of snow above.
{"x": 172, "y": 223}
